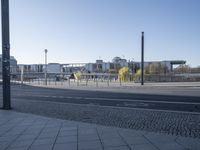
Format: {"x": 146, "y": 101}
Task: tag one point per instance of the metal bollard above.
{"x": 96, "y": 83}
{"x": 77, "y": 83}
{"x": 69, "y": 82}
{"x": 86, "y": 82}
{"x": 108, "y": 83}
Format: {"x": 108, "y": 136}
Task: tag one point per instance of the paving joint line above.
{"x": 99, "y": 138}
{"x": 38, "y": 135}
{"x": 12, "y": 127}
{"x": 124, "y": 140}
{"x": 9, "y": 128}
{"x": 180, "y": 144}
{"x": 57, "y": 135}
{"x": 151, "y": 142}
{"x": 18, "y": 135}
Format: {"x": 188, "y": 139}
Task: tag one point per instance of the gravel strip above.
{"x": 182, "y": 124}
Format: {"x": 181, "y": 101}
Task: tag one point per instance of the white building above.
{"x": 54, "y": 68}
{"x": 118, "y": 63}
{"x": 101, "y": 66}
{"x": 31, "y": 68}
{"x": 13, "y": 65}
{"x": 167, "y": 63}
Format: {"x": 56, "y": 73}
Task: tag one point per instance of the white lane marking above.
{"x": 115, "y": 107}
{"x": 146, "y": 101}
{"x": 115, "y": 99}
{"x": 78, "y": 97}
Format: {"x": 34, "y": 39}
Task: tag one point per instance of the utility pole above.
{"x": 45, "y": 74}
{"x": 142, "y": 60}
{"x": 5, "y": 53}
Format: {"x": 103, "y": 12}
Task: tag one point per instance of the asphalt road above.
{"x": 113, "y": 99}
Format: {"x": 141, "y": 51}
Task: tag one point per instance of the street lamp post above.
{"x": 131, "y": 66}
{"x": 5, "y": 53}
{"x": 45, "y": 75}
{"x": 142, "y": 60}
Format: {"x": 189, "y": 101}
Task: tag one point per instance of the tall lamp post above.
{"x": 132, "y": 66}
{"x": 45, "y": 74}
{"x": 142, "y": 60}
{"x": 5, "y": 53}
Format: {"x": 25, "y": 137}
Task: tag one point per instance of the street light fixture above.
{"x": 132, "y": 66}
{"x": 5, "y": 53}
{"x": 142, "y": 60}
{"x": 45, "y": 74}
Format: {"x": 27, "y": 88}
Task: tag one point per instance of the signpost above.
{"x": 45, "y": 74}
{"x": 5, "y": 53}
{"x": 142, "y": 60}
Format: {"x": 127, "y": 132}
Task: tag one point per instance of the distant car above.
{"x": 58, "y": 78}
{"x": 71, "y": 76}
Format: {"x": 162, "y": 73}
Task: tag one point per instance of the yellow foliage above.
{"x": 123, "y": 74}
{"x": 77, "y": 75}
{"x": 137, "y": 75}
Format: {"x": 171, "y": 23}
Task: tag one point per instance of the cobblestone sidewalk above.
{"x": 20, "y": 131}
{"x": 173, "y": 123}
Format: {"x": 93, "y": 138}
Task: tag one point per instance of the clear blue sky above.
{"x": 84, "y": 30}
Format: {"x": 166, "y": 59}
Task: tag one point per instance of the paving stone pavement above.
{"x": 21, "y": 131}
{"x": 183, "y": 124}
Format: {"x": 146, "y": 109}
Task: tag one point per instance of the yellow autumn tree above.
{"x": 137, "y": 76}
{"x": 77, "y": 75}
{"x": 123, "y": 74}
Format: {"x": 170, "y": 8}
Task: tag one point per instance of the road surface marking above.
{"x": 115, "y": 107}
{"x": 114, "y": 99}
